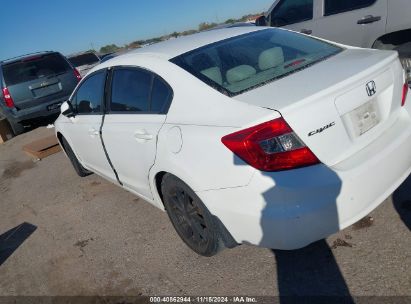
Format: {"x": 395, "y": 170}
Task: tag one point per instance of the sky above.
{"x": 78, "y": 25}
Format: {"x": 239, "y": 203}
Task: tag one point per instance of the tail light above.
{"x": 404, "y": 94}
{"x": 271, "y": 146}
{"x": 77, "y": 74}
{"x": 8, "y": 100}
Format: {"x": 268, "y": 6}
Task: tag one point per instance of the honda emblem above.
{"x": 371, "y": 88}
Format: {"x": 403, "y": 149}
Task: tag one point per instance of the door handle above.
{"x": 307, "y": 32}
{"x": 93, "y": 132}
{"x": 143, "y": 135}
{"x": 369, "y": 19}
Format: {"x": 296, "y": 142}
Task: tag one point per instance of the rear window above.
{"x": 242, "y": 63}
{"x": 84, "y": 59}
{"x": 32, "y": 68}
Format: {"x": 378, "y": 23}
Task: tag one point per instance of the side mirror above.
{"x": 67, "y": 109}
{"x": 261, "y": 21}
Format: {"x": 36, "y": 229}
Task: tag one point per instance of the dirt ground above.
{"x": 65, "y": 235}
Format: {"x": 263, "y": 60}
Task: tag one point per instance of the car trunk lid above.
{"x": 338, "y": 106}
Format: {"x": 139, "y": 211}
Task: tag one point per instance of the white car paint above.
{"x": 282, "y": 210}
{"x": 141, "y": 129}
{"x": 84, "y": 135}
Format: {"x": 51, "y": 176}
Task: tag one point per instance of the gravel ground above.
{"x": 85, "y": 236}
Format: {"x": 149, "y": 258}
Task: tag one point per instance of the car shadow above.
{"x": 11, "y": 240}
{"x": 310, "y": 274}
{"x": 41, "y": 122}
{"x": 402, "y": 202}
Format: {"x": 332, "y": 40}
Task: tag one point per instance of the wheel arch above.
{"x": 395, "y": 38}
{"x": 226, "y": 237}
{"x": 157, "y": 178}
{"x": 60, "y": 136}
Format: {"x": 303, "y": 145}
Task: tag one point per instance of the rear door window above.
{"x": 138, "y": 90}
{"x": 90, "y": 95}
{"x": 332, "y": 7}
{"x": 292, "y": 11}
{"x": 33, "y": 68}
{"x": 161, "y": 96}
{"x": 130, "y": 91}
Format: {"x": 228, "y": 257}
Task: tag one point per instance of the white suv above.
{"x": 380, "y": 24}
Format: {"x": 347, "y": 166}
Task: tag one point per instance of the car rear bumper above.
{"x": 41, "y": 110}
{"x": 289, "y": 210}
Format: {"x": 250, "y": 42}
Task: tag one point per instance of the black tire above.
{"x": 191, "y": 219}
{"x": 17, "y": 128}
{"x": 80, "y": 170}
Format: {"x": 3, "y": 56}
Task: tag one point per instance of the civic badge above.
{"x": 371, "y": 88}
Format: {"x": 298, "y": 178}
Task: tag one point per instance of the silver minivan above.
{"x": 34, "y": 86}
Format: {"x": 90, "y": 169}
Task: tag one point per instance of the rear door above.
{"x": 84, "y": 130}
{"x": 353, "y": 22}
{"x": 297, "y": 15}
{"x": 39, "y": 79}
{"x": 137, "y": 111}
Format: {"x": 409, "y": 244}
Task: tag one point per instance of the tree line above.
{"x": 203, "y": 26}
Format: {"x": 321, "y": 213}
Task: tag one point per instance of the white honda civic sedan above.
{"x": 246, "y": 135}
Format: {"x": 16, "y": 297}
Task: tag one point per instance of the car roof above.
{"x": 178, "y": 46}
{"x": 21, "y": 57}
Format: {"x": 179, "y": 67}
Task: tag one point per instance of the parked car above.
{"x": 84, "y": 62}
{"x": 246, "y": 135}
{"x": 34, "y": 86}
{"x": 107, "y": 57}
{"x": 380, "y": 24}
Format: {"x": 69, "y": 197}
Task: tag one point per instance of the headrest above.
{"x": 271, "y": 58}
{"x": 240, "y": 73}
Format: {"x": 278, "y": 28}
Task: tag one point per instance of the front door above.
{"x": 84, "y": 130}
